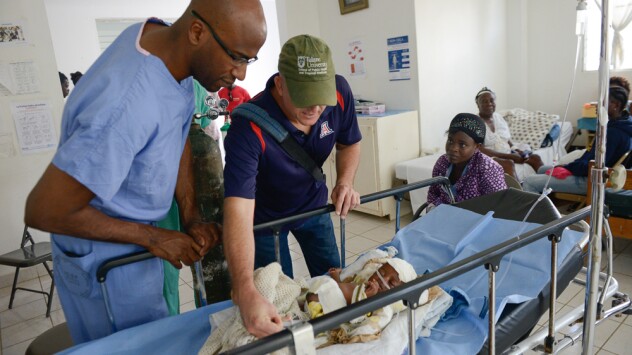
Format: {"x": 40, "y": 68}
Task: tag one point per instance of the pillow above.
{"x": 529, "y": 127}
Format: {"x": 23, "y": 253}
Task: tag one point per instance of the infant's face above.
{"x": 390, "y": 276}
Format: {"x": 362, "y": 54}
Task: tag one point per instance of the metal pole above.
{"x": 596, "y": 217}
{"x": 609, "y": 272}
{"x": 398, "y": 207}
{"x": 343, "y": 226}
{"x": 549, "y": 342}
{"x": 411, "y": 330}
{"x": 277, "y": 245}
{"x": 492, "y": 308}
{"x": 108, "y": 307}
{"x": 200, "y": 289}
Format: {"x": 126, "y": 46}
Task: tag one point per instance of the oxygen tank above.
{"x": 209, "y": 192}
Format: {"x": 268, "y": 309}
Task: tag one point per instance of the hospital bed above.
{"x": 516, "y": 313}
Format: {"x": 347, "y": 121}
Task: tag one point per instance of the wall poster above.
{"x": 398, "y": 58}
{"x": 34, "y": 126}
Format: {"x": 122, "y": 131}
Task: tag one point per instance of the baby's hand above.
{"x": 371, "y": 288}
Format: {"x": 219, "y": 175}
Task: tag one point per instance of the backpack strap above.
{"x": 262, "y": 119}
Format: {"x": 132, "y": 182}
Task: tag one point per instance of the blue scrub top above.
{"x": 123, "y": 131}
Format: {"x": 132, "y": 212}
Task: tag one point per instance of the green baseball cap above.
{"x": 305, "y": 63}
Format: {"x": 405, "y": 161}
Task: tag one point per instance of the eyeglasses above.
{"x": 237, "y": 60}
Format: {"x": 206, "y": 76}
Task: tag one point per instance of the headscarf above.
{"x": 484, "y": 90}
{"x": 470, "y": 124}
{"x": 619, "y": 94}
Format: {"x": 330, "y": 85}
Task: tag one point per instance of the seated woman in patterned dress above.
{"x": 498, "y": 145}
{"x": 471, "y": 172}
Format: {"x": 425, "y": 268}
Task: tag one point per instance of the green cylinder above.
{"x": 208, "y": 174}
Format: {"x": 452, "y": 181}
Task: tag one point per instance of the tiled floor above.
{"x": 27, "y": 320}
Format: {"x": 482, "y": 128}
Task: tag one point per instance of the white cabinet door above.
{"x": 366, "y": 180}
{"x": 386, "y": 140}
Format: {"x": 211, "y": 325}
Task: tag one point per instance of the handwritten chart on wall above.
{"x": 34, "y": 126}
{"x": 18, "y": 78}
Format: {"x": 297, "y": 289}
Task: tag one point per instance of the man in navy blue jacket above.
{"x": 573, "y": 177}
{"x": 263, "y": 183}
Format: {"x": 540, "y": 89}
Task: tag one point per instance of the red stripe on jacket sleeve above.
{"x": 257, "y": 131}
{"x": 341, "y": 101}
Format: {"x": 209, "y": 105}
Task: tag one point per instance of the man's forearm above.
{"x": 185, "y": 189}
{"x": 347, "y": 161}
{"x": 60, "y": 204}
{"x": 239, "y": 245}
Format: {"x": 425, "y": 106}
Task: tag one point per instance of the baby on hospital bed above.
{"x": 375, "y": 271}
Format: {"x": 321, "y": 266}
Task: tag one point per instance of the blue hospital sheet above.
{"x": 428, "y": 245}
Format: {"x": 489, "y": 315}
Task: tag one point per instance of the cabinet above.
{"x": 387, "y": 139}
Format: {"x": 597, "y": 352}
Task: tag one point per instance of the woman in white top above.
{"x": 498, "y": 140}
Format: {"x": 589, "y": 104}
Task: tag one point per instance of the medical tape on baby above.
{"x": 329, "y": 294}
{"x": 382, "y": 279}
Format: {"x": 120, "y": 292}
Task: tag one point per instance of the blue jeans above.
{"x": 572, "y": 184}
{"x": 318, "y": 243}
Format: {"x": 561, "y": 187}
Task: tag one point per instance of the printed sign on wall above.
{"x": 398, "y": 58}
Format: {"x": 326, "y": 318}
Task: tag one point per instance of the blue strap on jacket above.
{"x": 261, "y": 118}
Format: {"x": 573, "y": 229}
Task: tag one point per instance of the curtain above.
{"x": 621, "y": 18}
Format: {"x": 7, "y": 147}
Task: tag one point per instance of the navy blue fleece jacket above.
{"x": 618, "y": 142}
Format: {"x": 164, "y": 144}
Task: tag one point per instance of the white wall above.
{"x": 551, "y": 55}
{"x": 297, "y": 17}
{"x": 517, "y": 35}
{"x": 373, "y": 26}
{"x": 75, "y": 37}
{"x": 462, "y": 47}
{"x": 20, "y": 172}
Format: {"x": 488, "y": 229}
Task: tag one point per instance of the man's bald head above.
{"x": 223, "y": 35}
{"x": 245, "y": 17}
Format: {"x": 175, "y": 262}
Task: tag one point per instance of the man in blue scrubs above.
{"x": 263, "y": 183}
{"x": 123, "y": 153}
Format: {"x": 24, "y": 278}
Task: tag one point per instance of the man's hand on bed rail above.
{"x": 345, "y": 198}
{"x": 207, "y": 235}
{"x": 260, "y": 317}
{"x": 180, "y": 248}
{"x": 175, "y": 247}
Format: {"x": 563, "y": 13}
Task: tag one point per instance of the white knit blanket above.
{"x": 277, "y": 288}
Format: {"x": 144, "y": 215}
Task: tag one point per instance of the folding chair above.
{"x": 30, "y": 254}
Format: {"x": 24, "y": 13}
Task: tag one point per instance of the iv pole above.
{"x": 592, "y": 311}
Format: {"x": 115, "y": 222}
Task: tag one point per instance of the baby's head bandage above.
{"x": 404, "y": 269}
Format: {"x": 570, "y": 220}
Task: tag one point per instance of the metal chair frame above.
{"x": 30, "y": 254}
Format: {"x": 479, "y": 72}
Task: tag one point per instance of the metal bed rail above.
{"x": 397, "y": 193}
{"x": 411, "y": 291}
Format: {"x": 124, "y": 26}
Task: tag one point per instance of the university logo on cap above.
{"x": 325, "y": 130}
{"x": 312, "y": 66}
{"x": 301, "y": 61}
